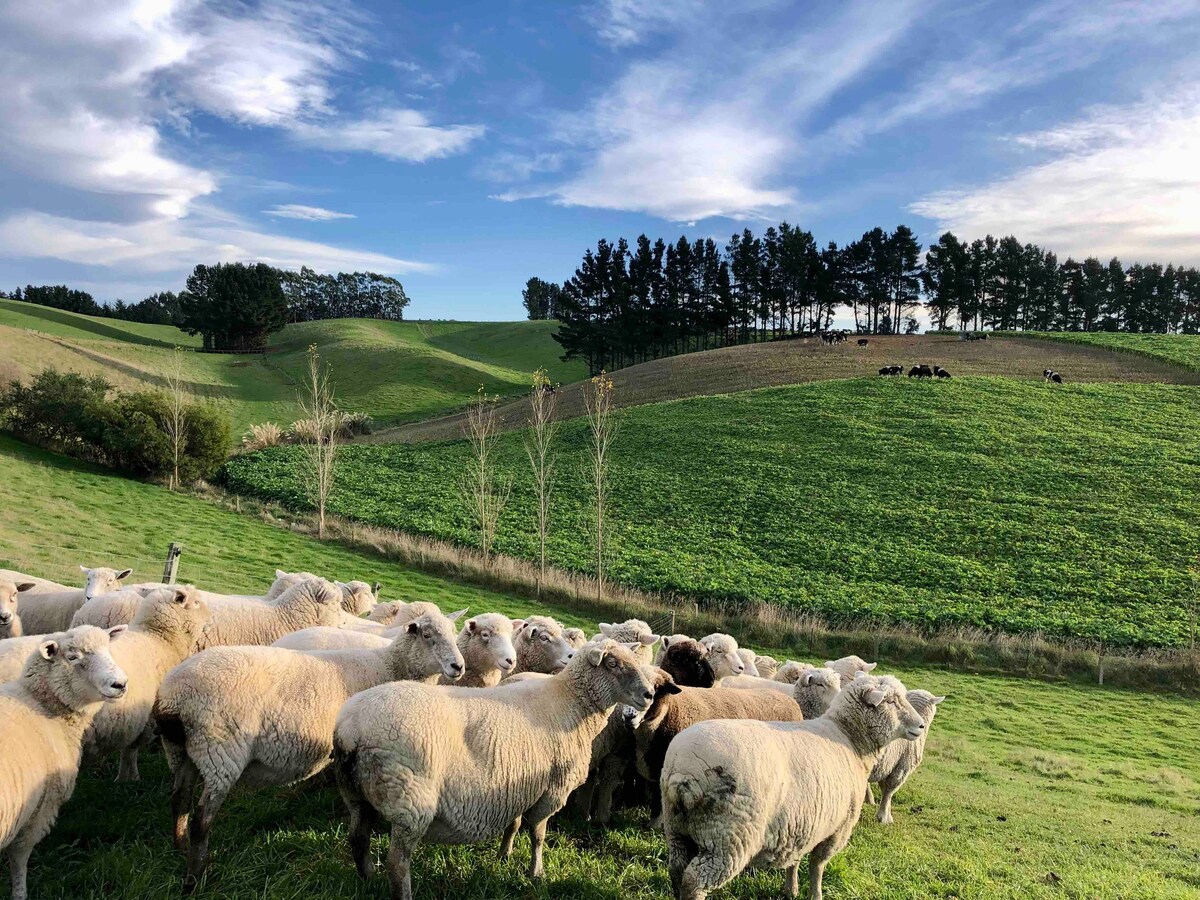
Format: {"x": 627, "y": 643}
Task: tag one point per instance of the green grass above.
{"x": 396, "y": 371}
{"x": 1009, "y": 504}
{"x": 1178, "y": 349}
{"x": 1028, "y": 790}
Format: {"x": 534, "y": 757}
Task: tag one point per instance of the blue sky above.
{"x": 467, "y": 146}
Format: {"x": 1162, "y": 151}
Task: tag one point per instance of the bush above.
{"x": 356, "y": 423}
{"x": 86, "y": 418}
{"x": 260, "y": 437}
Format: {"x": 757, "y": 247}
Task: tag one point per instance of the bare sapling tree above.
{"x": 483, "y": 492}
{"x": 543, "y": 400}
{"x": 318, "y": 405}
{"x": 602, "y": 429}
{"x": 176, "y": 421}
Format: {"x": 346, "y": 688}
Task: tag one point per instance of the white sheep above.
{"x": 540, "y": 645}
{"x": 747, "y": 657}
{"x": 114, "y": 608}
{"x": 900, "y": 759}
{"x": 265, "y": 715}
{"x": 486, "y": 645}
{"x": 738, "y": 793}
{"x": 815, "y": 691}
{"x": 46, "y": 612}
{"x": 166, "y": 630}
{"x": 576, "y": 637}
{"x": 721, "y": 651}
{"x": 458, "y": 765}
{"x": 348, "y": 635}
{"x": 40, "y": 585}
{"x": 767, "y": 665}
{"x": 45, "y": 713}
{"x": 235, "y": 621}
{"x": 849, "y": 666}
{"x": 10, "y": 613}
{"x": 790, "y": 671}
{"x": 631, "y": 631}
{"x": 754, "y": 683}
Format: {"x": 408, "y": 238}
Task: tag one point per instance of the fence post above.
{"x": 171, "y": 566}
{"x": 672, "y": 621}
{"x": 376, "y": 588}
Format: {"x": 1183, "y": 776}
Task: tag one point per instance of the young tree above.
{"x": 542, "y": 401}
{"x": 602, "y": 429}
{"x": 319, "y": 406}
{"x": 176, "y": 424}
{"x": 484, "y": 494}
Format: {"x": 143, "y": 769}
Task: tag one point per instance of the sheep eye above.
{"x": 612, "y": 663}
{"x": 73, "y": 657}
{"x": 546, "y": 637}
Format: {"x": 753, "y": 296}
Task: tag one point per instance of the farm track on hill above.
{"x": 732, "y": 369}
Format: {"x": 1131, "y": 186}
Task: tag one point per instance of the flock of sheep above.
{"x": 440, "y": 732}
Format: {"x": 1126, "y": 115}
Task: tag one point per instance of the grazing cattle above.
{"x": 862, "y": 342}
{"x": 940, "y": 372}
{"x": 1046, "y": 373}
{"x": 892, "y": 370}
{"x": 925, "y": 372}
{"x": 914, "y": 372}
{"x": 1056, "y": 378}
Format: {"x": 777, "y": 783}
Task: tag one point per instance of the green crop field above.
{"x": 396, "y": 371}
{"x": 1178, "y": 349}
{"x": 1072, "y": 510}
{"x": 1028, "y": 789}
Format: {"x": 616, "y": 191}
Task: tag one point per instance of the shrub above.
{"x": 87, "y": 419}
{"x": 303, "y": 431}
{"x": 357, "y": 423}
{"x": 260, "y": 437}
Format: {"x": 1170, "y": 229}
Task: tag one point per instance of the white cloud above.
{"x": 306, "y": 213}
{"x": 173, "y": 246}
{"x": 625, "y": 22}
{"x": 1119, "y": 181}
{"x": 400, "y": 134}
{"x": 708, "y": 127}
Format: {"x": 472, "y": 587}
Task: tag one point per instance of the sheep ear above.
{"x": 606, "y": 629}
{"x": 279, "y": 573}
{"x": 472, "y": 625}
{"x": 597, "y": 653}
{"x": 48, "y": 649}
{"x": 874, "y": 696}
{"x": 117, "y": 629}
{"x": 648, "y": 640}
{"x": 806, "y": 679}
{"x": 937, "y": 700}
{"x": 180, "y": 596}
{"x": 533, "y": 632}
{"x": 342, "y": 585}
{"x": 518, "y": 624}
{"x": 123, "y": 574}
{"x": 870, "y": 666}
{"x": 666, "y": 641}
{"x": 85, "y": 569}
{"x": 26, "y": 586}
{"x": 858, "y": 675}
{"x": 455, "y": 616}
{"x": 412, "y": 627}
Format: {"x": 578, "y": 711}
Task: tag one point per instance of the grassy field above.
{"x": 734, "y": 369}
{"x": 1028, "y": 790}
{"x": 1177, "y": 349}
{"x": 1004, "y": 503}
{"x": 396, "y": 371}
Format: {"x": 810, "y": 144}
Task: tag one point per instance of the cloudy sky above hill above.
{"x": 465, "y": 147}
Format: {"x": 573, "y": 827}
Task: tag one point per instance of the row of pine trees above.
{"x": 627, "y": 304}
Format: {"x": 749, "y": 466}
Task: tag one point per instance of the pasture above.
{"x": 396, "y": 371}
{"x": 1181, "y": 350}
{"x": 997, "y": 502}
{"x": 1031, "y": 790}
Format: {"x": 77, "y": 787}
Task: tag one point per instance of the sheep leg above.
{"x": 202, "y": 822}
{"x": 128, "y": 770}
{"x": 822, "y": 853}
{"x": 362, "y": 825}
{"x": 18, "y": 867}
{"x": 608, "y": 780}
{"x": 510, "y": 834}
{"x": 890, "y": 785}
{"x": 399, "y": 860}
{"x": 182, "y": 793}
{"x": 582, "y": 798}
{"x": 869, "y": 797}
{"x": 537, "y": 840}
{"x": 791, "y": 881}
{"x": 680, "y": 851}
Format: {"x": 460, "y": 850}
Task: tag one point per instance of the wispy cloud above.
{"x": 172, "y": 247}
{"x": 306, "y": 213}
{"x": 625, "y": 22}
{"x": 707, "y": 127}
{"x": 1119, "y": 181}
{"x": 399, "y": 134}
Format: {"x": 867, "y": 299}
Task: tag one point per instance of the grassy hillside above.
{"x": 1071, "y": 510}
{"x": 1121, "y": 771}
{"x": 1178, "y": 349}
{"x": 396, "y": 371}
{"x": 733, "y": 369}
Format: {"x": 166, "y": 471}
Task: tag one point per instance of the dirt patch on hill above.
{"x": 732, "y": 369}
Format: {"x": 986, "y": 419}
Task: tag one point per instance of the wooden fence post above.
{"x": 171, "y": 566}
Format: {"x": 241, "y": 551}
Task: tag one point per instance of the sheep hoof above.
{"x": 885, "y": 818}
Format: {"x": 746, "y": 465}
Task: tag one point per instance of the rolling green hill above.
{"x": 1121, "y": 769}
{"x": 994, "y": 502}
{"x": 396, "y": 371}
{"x": 1178, "y": 349}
